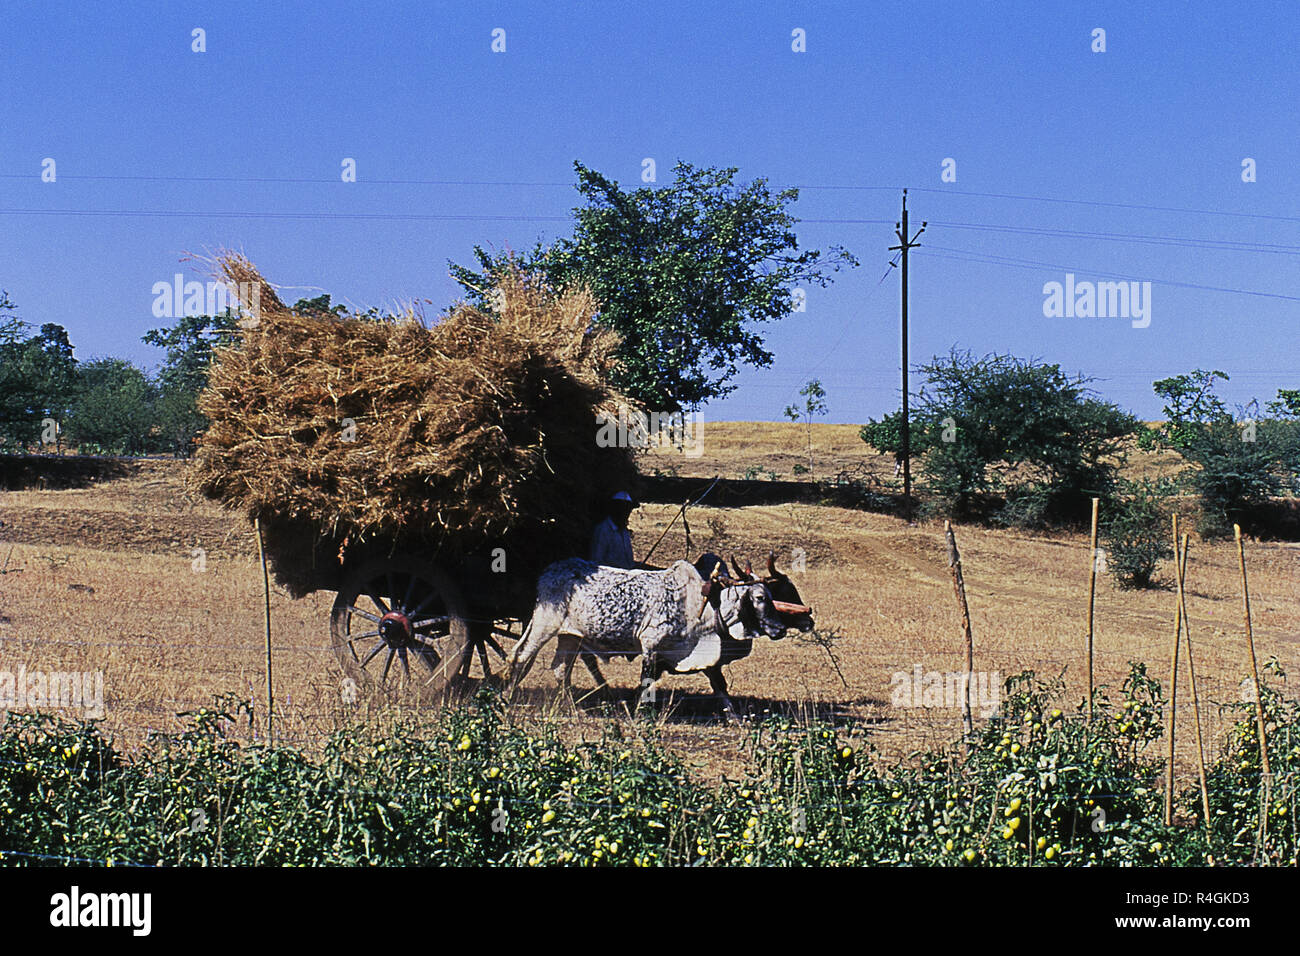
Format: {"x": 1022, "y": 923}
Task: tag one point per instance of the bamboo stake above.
{"x": 1267, "y": 780}
{"x": 270, "y": 681}
{"x": 959, "y": 587}
{"x": 1191, "y": 672}
{"x": 1092, "y": 594}
{"x": 1250, "y": 642}
{"x": 1180, "y": 564}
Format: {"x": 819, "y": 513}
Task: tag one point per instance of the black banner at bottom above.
{"x": 339, "y": 906}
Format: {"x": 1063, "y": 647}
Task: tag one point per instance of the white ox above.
{"x": 673, "y": 618}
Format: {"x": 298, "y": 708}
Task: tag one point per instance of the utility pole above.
{"x": 901, "y": 230}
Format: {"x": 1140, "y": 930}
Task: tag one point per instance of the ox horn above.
{"x": 785, "y": 607}
{"x": 771, "y": 565}
{"x": 745, "y": 575}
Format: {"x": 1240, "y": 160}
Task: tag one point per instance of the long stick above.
{"x": 1191, "y": 671}
{"x": 270, "y": 680}
{"x": 1250, "y": 641}
{"x": 1092, "y": 595}
{"x": 681, "y": 513}
{"x": 1266, "y": 782}
{"x": 1180, "y": 565}
{"x": 959, "y": 586}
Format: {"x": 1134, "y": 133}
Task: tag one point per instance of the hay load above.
{"x": 356, "y": 437}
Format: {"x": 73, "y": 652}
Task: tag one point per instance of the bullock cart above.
{"x": 426, "y": 470}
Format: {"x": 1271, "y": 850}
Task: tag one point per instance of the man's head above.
{"x": 620, "y": 506}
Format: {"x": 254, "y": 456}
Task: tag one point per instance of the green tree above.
{"x": 320, "y": 305}
{"x": 189, "y": 346}
{"x": 36, "y": 378}
{"x": 1021, "y": 429}
{"x": 684, "y": 272}
{"x": 814, "y": 404}
{"x": 113, "y": 411}
{"x": 1236, "y": 462}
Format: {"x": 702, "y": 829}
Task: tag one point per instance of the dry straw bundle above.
{"x": 476, "y": 432}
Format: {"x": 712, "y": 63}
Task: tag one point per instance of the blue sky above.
{"x": 162, "y": 151}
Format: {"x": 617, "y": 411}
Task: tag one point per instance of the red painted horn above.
{"x": 784, "y": 607}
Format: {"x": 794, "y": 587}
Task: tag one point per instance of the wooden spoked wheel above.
{"x": 490, "y": 647}
{"x": 398, "y": 626}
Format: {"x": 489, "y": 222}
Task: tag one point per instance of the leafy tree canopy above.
{"x": 684, "y": 272}
{"x": 36, "y": 377}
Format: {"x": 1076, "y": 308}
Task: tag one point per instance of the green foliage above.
{"x": 113, "y": 411}
{"x": 814, "y": 404}
{"x": 1004, "y": 426}
{"x": 1287, "y": 403}
{"x": 189, "y": 346}
{"x": 1135, "y": 531}
{"x": 1190, "y": 404}
{"x": 1236, "y": 462}
{"x": 683, "y": 272}
{"x": 1038, "y": 786}
{"x": 36, "y": 374}
{"x": 1236, "y": 784}
{"x": 886, "y": 434}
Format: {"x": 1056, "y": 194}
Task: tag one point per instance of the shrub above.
{"x": 1236, "y": 463}
{"x": 1000, "y": 425}
{"x": 1135, "y": 531}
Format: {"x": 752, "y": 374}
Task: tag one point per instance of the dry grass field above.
{"x": 163, "y": 593}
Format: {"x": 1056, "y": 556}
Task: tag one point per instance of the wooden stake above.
{"x": 270, "y": 680}
{"x": 1266, "y": 796}
{"x": 1180, "y": 563}
{"x": 1092, "y": 593}
{"x": 1250, "y": 642}
{"x": 959, "y": 587}
{"x": 1191, "y": 672}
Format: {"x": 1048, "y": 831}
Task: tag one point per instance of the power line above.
{"x": 1081, "y": 202}
{"x": 289, "y": 179}
{"x": 1189, "y": 241}
{"x": 968, "y": 255}
{"x": 324, "y": 216}
{"x": 841, "y": 187}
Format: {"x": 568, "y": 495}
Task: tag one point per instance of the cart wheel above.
{"x": 398, "y": 626}
{"x": 490, "y": 645}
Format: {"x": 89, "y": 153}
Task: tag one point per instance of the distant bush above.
{"x": 1022, "y": 430}
{"x": 1237, "y": 463}
{"x": 1136, "y": 532}
{"x": 113, "y": 408}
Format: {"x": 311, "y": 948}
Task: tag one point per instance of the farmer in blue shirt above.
{"x": 611, "y": 542}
